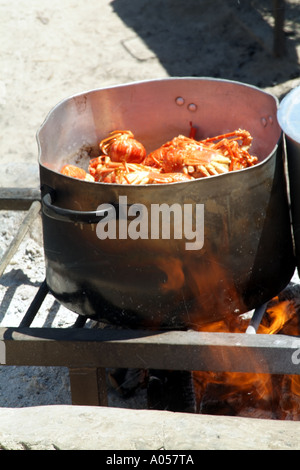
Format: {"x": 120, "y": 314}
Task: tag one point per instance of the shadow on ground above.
{"x": 230, "y": 40}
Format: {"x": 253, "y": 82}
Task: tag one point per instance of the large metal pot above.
{"x": 289, "y": 119}
{"x": 247, "y": 256}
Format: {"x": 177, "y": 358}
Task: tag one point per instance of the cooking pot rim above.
{"x": 288, "y": 114}
{"x": 155, "y": 80}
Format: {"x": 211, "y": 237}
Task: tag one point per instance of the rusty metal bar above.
{"x": 88, "y": 386}
{"x": 18, "y": 198}
{"x": 173, "y": 350}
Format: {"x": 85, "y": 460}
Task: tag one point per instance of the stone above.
{"x": 69, "y": 427}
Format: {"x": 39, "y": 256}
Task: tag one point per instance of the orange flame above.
{"x": 253, "y": 394}
{"x": 277, "y": 316}
{"x": 217, "y": 309}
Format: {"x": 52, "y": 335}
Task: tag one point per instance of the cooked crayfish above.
{"x": 121, "y": 146}
{"x": 104, "y": 170}
{"x": 211, "y": 156}
{"x": 124, "y": 159}
{"x": 76, "y": 172}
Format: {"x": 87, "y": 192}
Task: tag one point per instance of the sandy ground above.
{"x": 51, "y": 50}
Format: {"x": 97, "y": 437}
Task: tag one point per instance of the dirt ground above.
{"x": 51, "y": 50}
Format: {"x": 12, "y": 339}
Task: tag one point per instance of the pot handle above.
{"x": 70, "y": 215}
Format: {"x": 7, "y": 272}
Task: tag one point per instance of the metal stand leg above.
{"x": 88, "y": 386}
{"x": 35, "y": 305}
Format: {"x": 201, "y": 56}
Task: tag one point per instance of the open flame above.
{"x": 280, "y": 315}
{"x": 217, "y": 308}
{"x": 253, "y": 394}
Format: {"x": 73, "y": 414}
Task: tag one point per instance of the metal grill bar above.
{"x": 18, "y": 198}
{"x": 187, "y": 350}
{"x": 35, "y": 305}
{"x": 256, "y": 319}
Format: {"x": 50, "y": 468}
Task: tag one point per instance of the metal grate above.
{"x": 88, "y": 352}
